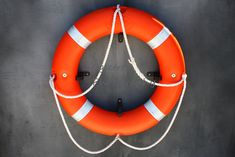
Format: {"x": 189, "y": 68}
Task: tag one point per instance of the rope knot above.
{"x": 118, "y": 7}
{"x": 52, "y": 76}
{"x": 184, "y": 76}
{"x": 117, "y": 137}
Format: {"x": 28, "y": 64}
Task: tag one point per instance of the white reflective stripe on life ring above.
{"x": 77, "y": 36}
{"x": 153, "y": 110}
{"x": 83, "y": 111}
{"x": 159, "y": 38}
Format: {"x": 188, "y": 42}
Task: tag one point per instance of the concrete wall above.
{"x": 30, "y": 125}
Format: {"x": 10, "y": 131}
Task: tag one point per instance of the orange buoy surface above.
{"x": 97, "y": 25}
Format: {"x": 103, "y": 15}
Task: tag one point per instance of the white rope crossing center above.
{"x": 155, "y": 42}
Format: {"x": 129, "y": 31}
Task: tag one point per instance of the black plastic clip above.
{"x": 119, "y": 107}
{"x": 155, "y": 75}
{"x": 82, "y": 74}
{"x": 120, "y": 37}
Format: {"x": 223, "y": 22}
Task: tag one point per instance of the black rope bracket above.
{"x": 82, "y": 74}
{"x": 155, "y": 75}
{"x": 119, "y": 107}
{"x": 120, "y": 37}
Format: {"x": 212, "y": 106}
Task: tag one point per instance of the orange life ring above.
{"x": 96, "y": 25}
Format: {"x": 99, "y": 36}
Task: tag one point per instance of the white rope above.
{"x": 141, "y": 75}
{"x": 101, "y": 68}
{"x": 168, "y": 128}
{"x": 55, "y": 92}
{"x": 138, "y": 72}
{"x": 71, "y": 136}
{"x": 134, "y": 65}
{"x": 117, "y": 138}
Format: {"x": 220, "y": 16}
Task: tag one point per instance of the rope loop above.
{"x": 184, "y": 76}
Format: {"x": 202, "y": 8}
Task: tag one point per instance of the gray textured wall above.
{"x": 30, "y": 125}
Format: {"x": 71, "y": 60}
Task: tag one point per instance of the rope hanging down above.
{"x": 101, "y": 68}
{"x": 138, "y": 72}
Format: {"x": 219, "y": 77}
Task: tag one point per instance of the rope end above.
{"x": 131, "y": 60}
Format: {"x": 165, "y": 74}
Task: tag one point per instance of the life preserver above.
{"x": 96, "y": 25}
